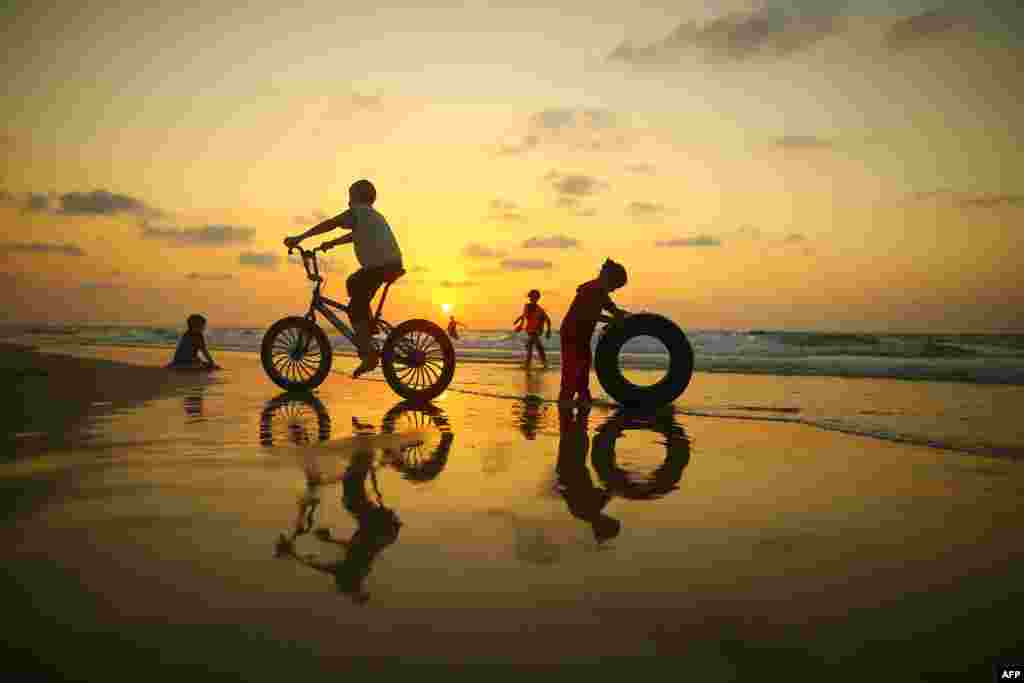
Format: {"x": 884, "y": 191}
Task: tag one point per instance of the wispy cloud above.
{"x": 95, "y": 203}
{"x": 312, "y": 219}
{"x": 579, "y": 128}
{"x": 265, "y": 259}
{"x": 697, "y": 241}
{"x": 455, "y": 284}
{"x": 923, "y": 28}
{"x": 474, "y": 250}
{"x": 42, "y": 248}
{"x": 552, "y": 242}
{"x": 749, "y": 231}
{"x": 647, "y": 210}
{"x": 766, "y": 33}
{"x": 97, "y": 285}
{"x": 201, "y": 236}
{"x": 989, "y": 201}
{"x": 210, "y": 276}
{"x": 969, "y": 200}
{"x": 641, "y": 168}
{"x": 803, "y": 142}
{"x": 526, "y": 264}
{"x": 795, "y": 237}
{"x": 503, "y": 205}
{"x": 575, "y": 185}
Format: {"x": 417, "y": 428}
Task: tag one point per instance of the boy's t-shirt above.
{"x": 188, "y": 347}
{"x": 534, "y": 316}
{"x": 581, "y": 318}
{"x": 374, "y": 242}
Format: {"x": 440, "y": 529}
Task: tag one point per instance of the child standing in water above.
{"x": 578, "y": 327}
{"x": 534, "y": 318}
{"x": 453, "y": 327}
{"x": 191, "y": 344}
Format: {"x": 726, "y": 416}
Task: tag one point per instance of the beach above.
{"x": 769, "y": 526}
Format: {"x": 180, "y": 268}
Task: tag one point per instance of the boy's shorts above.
{"x": 363, "y": 284}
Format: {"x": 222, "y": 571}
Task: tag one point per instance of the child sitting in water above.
{"x": 534, "y": 318}
{"x": 191, "y": 344}
{"x": 578, "y": 327}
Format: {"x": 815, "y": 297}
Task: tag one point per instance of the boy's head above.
{"x": 362, "y": 192}
{"x": 534, "y": 295}
{"x": 613, "y": 274}
{"x": 605, "y": 528}
{"x": 196, "y": 322}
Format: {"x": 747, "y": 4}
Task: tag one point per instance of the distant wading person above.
{"x": 534, "y": 318}
{"x": 453, "y": 327}
{"x": 378, "y": 254}
{"x": 191, "y": 345}
{"x": 578, "y": 327}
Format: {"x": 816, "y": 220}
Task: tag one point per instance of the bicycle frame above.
{"x": 324, "y": 304}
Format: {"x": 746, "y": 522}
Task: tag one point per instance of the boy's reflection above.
{"x": 585, "y": 500}
{"x": 532, "y": 408}
{"x": 377, "y": 527}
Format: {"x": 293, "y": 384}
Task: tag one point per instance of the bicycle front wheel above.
{"x": 296, "y": 354}
{"x": 418, "y": 360}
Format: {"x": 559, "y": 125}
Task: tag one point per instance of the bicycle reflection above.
{"x": 413, "y": 439}
{"x": 587, "y": 501}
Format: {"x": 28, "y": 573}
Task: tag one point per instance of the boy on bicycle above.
{"x": 378, "y": 254}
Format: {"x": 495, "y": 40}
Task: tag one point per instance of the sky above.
{"x": 824, "y": 165}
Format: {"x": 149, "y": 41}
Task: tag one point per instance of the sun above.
{"x": 446, "y": 307}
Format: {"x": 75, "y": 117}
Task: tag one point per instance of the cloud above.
{"x": 509, "y": 217}
{"x": 210, "y": 276}
{"x": 42, "y": 248}
{"x": 526, "y": 264}
{"x": 922, "y": 28}
{"x": 97, "y": 285}
{"x": 698, "y": 241}
{"x": 969, "y": 200}
{"x": 641, "y": 168}
{"x": 575, "y": 184}
{"x": 989, "y": 201}
{"x": 503, "y": 205}
{"x": 201, "y": 236}
{"x": 795, "y": 237}
{"x": 552, "y": 242}
{"x": 474, "y": 250}
{"x": 749, "y": 231}
{"x": 100, "y": 202}
{"x": 802, "y": 141}
{"x": 419, "y": 269}
{"x": 312, "y": 219}
{"x": 580, "y": 128}
{"x": 264, "y": 259}
{"x": 37, "y": 201}
{"x": 767, "y": 32}
{"x": 458, "y": 283}
{"x": 647, "y": 210}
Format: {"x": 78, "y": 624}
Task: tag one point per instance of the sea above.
{"x": 961, "y": 392}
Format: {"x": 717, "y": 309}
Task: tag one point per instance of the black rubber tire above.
{"x": 665, "y": 478}
{"x": 267, "y": 349}
{"x": 440, "y": 351}
{"x": 680, "y": 366}
{"x": 297, "y": 411}
{"x": 416, "y": 464}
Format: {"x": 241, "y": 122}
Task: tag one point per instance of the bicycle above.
{"x": 417, "y": 357}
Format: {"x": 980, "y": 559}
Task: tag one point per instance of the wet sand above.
{"x": 747, "y": 549}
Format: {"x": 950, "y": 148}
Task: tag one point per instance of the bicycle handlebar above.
{"x": 307, "y": 257}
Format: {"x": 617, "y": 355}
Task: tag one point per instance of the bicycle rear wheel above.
{"x": 418, "y": 360}
{"x": 296, "y": 354}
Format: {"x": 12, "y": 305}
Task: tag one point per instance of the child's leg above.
{"x": 529, "y": 349}
{"x": 568, "y": 369}
{"x": 583, "y": 378}
{"x": 540, "y": 352}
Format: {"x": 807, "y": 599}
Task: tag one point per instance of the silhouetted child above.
{"x": 378, "y": 254}
{"x": 191, "y": 344}
{"x": 533, "y": 319}
{"x": 453, "y": 327}
{"x": 578, "y": 327}
{"x": 585, "y": 501}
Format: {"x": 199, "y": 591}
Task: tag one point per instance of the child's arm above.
{"x": 547, "y": 321}
{"x": 342, "y": 220}
{"x": 205, "y": 351}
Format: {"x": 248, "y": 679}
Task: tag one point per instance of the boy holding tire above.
{"x": 592, "y": 298}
